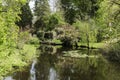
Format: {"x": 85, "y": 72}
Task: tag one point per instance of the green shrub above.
{"x": 67, "y": 34}
{"x": 86, "y": 29}
{"x": 33, "y": 41}
{"x": 54, "y": 20}
{"x": 22, "y": 39}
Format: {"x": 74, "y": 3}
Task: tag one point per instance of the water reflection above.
{"x": 46, "y": 66}
{"x": 52, "y": 74}
{"x": 8, "y": 78}
{"x": 21, "y": 75}
{"x": 52, "y": 65}
{"x": 33, "y": 71}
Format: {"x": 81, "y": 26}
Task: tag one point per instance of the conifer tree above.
{"x": 26, "y": 17}
{"x": 42, "y": 11}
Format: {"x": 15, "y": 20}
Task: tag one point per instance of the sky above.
{"x": 51, "y": 3}
{"x": 31, "y": 4}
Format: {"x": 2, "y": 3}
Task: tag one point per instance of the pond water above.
{"x": 53, "y": 64}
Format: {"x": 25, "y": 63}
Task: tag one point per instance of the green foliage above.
{"x": 28, "y": 52}
{"x": 23, "y": 37}
{"x": 87, "y": 30}
{"x": 52, "y": 22}
{"x": 17, "y": 59}
{"x": 26, "y": 38}
{"x": 55, "y": 20}
{"x": 41, "y": 8}
{"x": 109, "y": 17}
{"x": 8, "y": 29}
{"x": 25, "y": 17}
{"x": 79, "y": 9}
{"x": 8, "y": 63}
{"x": 42, "y": 23}
{"x": 49, "y": 22}
{"x": 67, "y": 34}
{"x": 11, "y": 57}
{"x": 42, "y": 11}
{"x": 109, "y": 12}
{"x": 33, "y": 41}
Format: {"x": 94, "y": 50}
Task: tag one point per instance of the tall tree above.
{"x": 26, "y": 17}
{"x": 41, "y": 8}
{"x": 79, "y": 9}
{"x": 42, "y": 11}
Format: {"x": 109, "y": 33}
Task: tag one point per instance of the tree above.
{"x": 41, "y": 8}
{"x": 9, "y": 10}
{"x": 109, "y": 18}
{"x": 79, "y": 9}
{"x": 8, "y": 28}
{"x": 25, "y": 17}
{"x": 42, "y": 11}
{"x": 87, "y": 31}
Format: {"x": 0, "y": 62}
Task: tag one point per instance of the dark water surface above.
{"x": 53, "y": 65}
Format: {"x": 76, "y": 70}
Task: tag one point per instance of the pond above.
{"x": 55, "y": 63}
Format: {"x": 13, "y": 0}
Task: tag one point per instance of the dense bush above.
{"x": 67, "y": 34}
{"x": 49, "y": 22}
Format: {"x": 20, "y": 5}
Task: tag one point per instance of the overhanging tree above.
{"x": 8, "y": 28}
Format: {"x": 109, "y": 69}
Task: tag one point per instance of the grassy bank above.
{"x": 94, "y": 45}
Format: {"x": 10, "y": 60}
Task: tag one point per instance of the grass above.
{"x": 95, "y": 45}
{"x": 56, "y": 41}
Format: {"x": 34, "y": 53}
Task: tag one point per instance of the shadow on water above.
{"x": 52, "y": 65}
